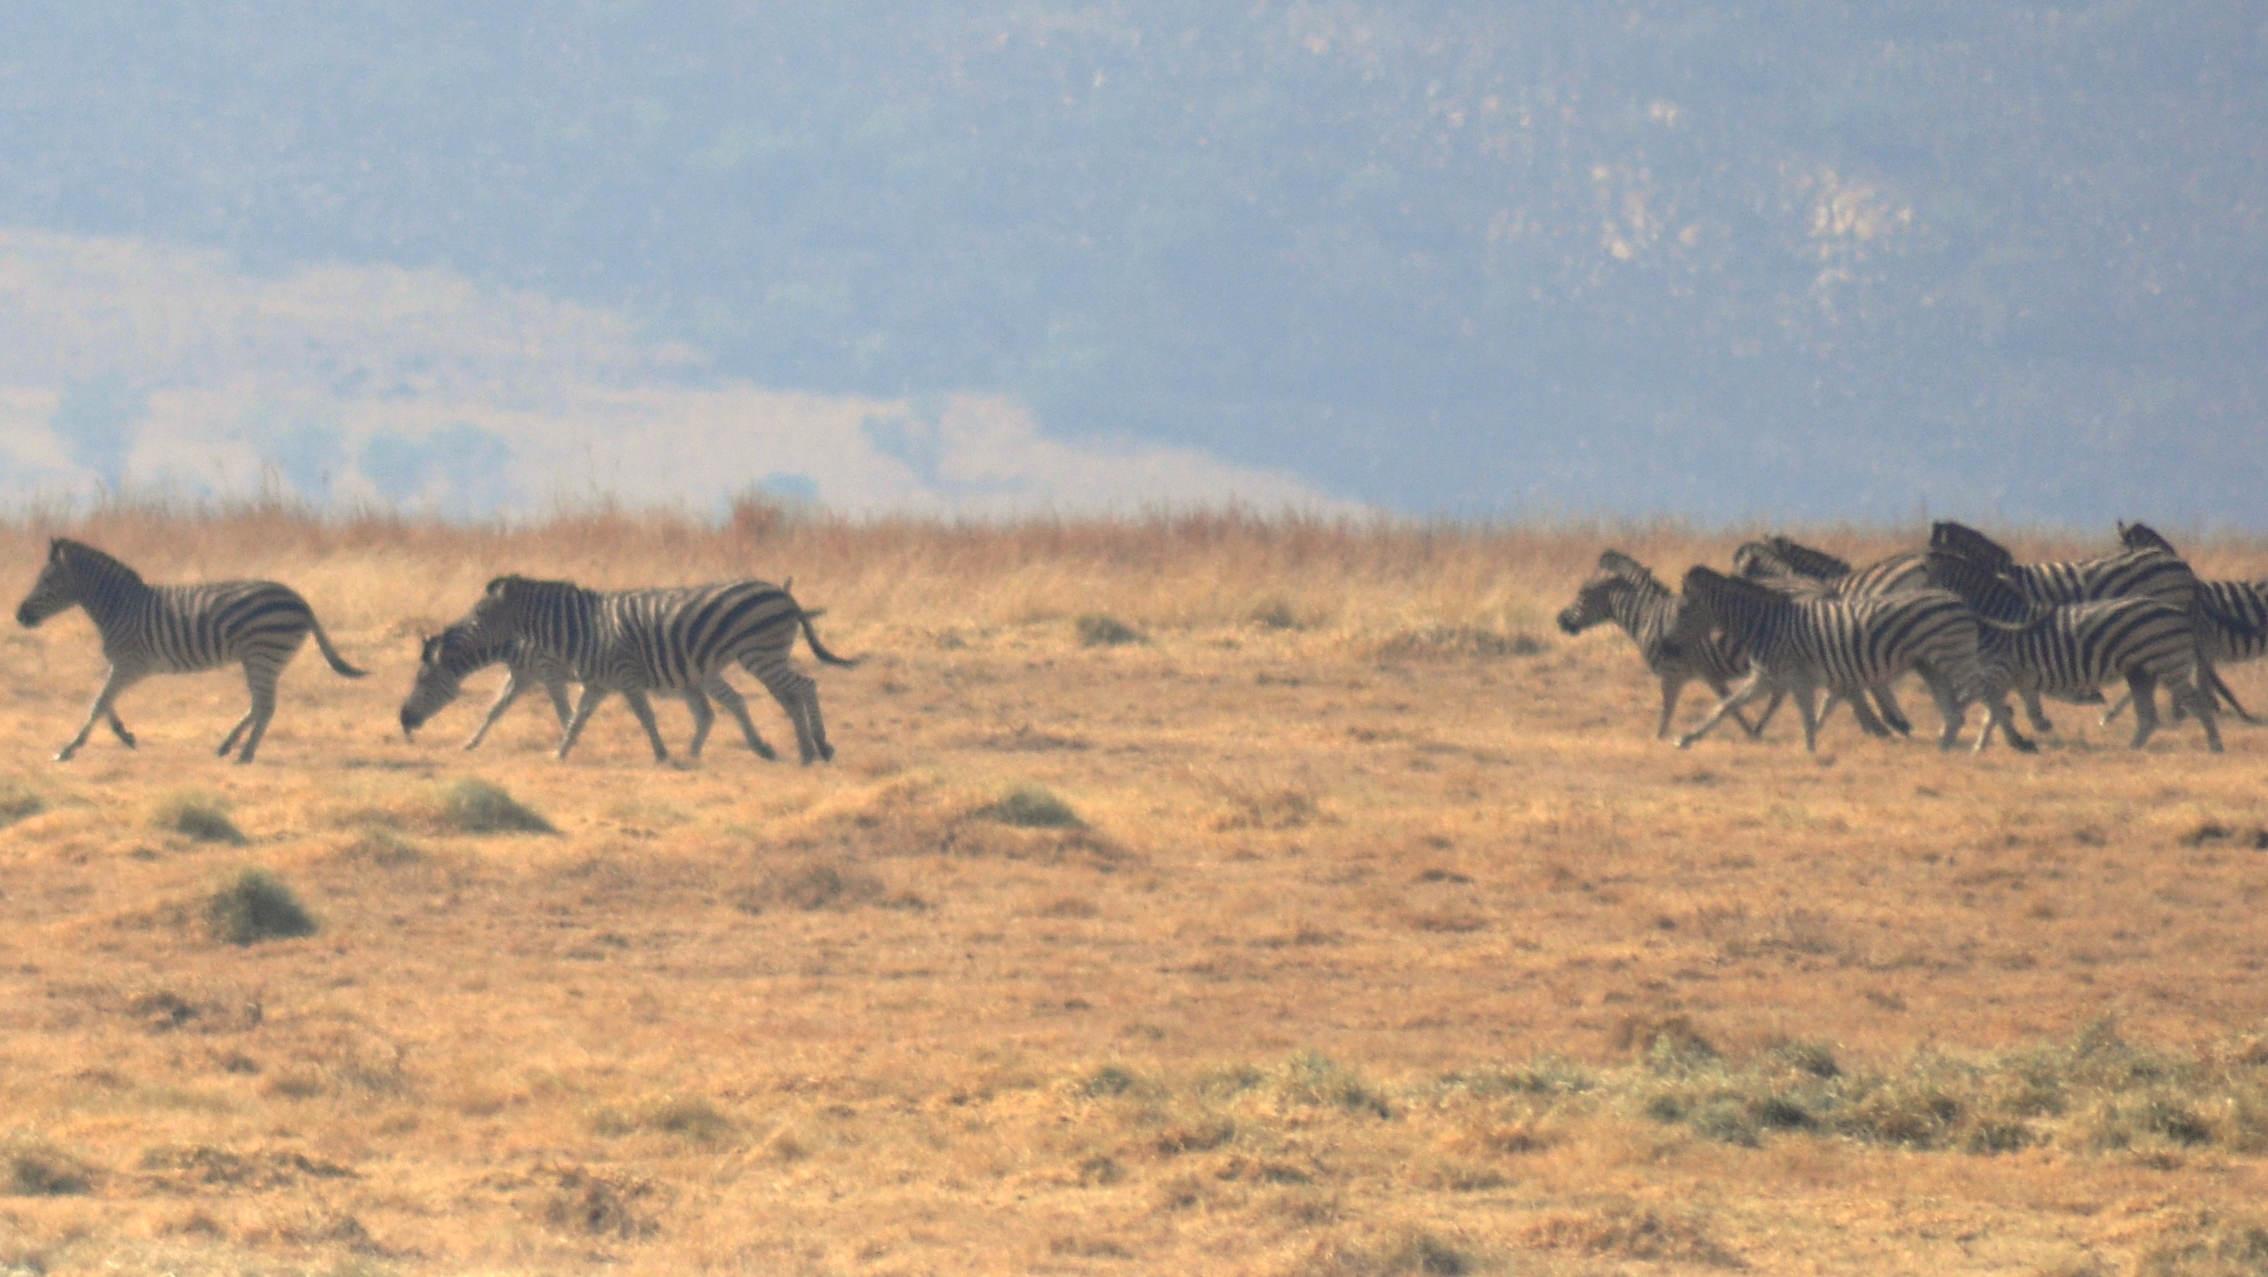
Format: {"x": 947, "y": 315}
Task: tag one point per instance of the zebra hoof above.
{"x": 64, "y": 755}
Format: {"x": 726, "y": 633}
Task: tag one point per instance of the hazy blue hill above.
{"x": 1821, "y": 259}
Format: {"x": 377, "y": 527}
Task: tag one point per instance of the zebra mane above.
{"x": 2141, "y": 536}
{"x": 1616, "y": 563}
{"x": 537, "y": 587}
{"x": 83, "y": 557}
{"x": 1808, "y": 561}
{"x": 1970, "y": 544}
{"x": 1987, "y": 593}
{"x": 1719, "y": 594}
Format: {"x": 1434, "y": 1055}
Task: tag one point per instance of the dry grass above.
{"x": 1350, "y": 922}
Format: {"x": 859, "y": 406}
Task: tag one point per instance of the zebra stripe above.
{"x": 1799, "y": 571}
{"x": 448, "y": 658}
{"x": 2148, "y": 573}
{"x": 677, "y": 640}
{"x": 177, "y": 629}
{"x": 2078, "y": 647}
{"x": 1672, "y": 638}
{"x": 1799, "y": 645}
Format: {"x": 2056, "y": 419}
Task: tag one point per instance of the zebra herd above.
{"x": 1791, "y": 620}
{"x": 548, "y": 632}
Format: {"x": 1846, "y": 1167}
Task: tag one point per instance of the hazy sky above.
{"x": 1801, "y": 261}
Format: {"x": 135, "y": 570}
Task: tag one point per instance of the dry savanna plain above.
{"x": 1190, "y": 894}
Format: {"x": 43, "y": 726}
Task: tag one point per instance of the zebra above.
{"x": 1672, "y": 637}
{"x": 1798, "y": 645}
{"x": 176, "y": 629}
{"x": 446, "y": 659}
{"x": 2150, "y": 572}
{"x": 2073, "y": 649}
{"x": 660, "y": 640}
{"x": 1798, "y": 570}
{"x": 2232, "y": 621}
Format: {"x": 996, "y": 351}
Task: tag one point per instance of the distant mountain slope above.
{"x": 168, "y": 370}
{"x": 1827, "y": 259}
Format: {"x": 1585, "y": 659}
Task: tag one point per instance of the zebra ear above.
{"x": 788, "y": 586}
{"x": 496, "y": 585}
{"x": 54, "y": 549}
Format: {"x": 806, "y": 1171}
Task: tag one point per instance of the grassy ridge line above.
{"x": 1340, "y": 576}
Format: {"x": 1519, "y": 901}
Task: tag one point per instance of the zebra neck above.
{"x": 1647, "y": 616}
{"x": 109, "y": 591}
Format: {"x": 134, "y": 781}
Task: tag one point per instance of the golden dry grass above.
{"x": 1346, "y": 920}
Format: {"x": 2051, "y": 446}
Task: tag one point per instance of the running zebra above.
{"x": 2148, "y": 572}
{"x": 1800, "y": 645}
{"x": 176, "y": 629}
{"x": 1800, "y": 571}
{"x": 446, "y": 659}
{"x": 1672, "y": 638}
{"x": 2231, "y": 620}
{"x": 659, "y": 640}
{"x": 2073, "y": 649}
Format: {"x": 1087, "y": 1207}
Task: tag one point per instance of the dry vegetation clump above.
{"x": 39, "y": 1168}
{"x": 1030, "y": 807}
{"x": 197, "y": 816}
{"x": 257, "y": 906}
{"x": 1098, "y": 630}
{"x": 815, "y": 883}
{"x": 18, "y": 801}
{"x": 692, "y": 1117}
{"x": 475, "y": 806}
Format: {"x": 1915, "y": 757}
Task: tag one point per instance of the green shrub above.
{"x": 1031, "y": 807}
{"x": 474, "y": 806}
{"x": 197, "y": 816}
{"x": 256, "y": 907}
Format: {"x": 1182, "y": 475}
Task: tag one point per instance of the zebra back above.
{"x": 1987, "y": 593}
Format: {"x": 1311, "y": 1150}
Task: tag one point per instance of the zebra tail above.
{"x": 818, "y": 648}
{"x": 331, "y": 654}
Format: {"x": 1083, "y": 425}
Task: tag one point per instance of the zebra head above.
{"x": 2141, "y": 536}
{"x": 442, "y": 664}
{"x": 1616, "y": 576}
{"x": 61, "y": 584}
{"x": 1961, "y": 539}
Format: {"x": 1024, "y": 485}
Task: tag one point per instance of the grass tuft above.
{"x": 256, "y": 907}
{"x": 1098, "y": 630}
{"x": 1031, "y": 807}
{"x": 36, "y": 1168}
{"x": 199, "y": 817}
{"x": 474, "y": 806}
{"x": 18, "y": 801}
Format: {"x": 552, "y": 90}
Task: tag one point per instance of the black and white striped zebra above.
{"x": 2146, "y": 573}
{"x": 1673, "y": 638}
{"x": 661, "y": 641}
{"x": 2231, "y": 619}
{"x": 1800, "y": 571}
{"x": 1799, "y": 646}
{"x": 2073, "y": 649}
{"x": 177, "y": 629}
{"x": 446, "y": 659}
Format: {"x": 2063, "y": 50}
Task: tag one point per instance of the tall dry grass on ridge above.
{"x": 1193, "y": 893}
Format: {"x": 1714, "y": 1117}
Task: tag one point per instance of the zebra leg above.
{"x": 704, "y": 718}
{"x": 1998, "y": 714}
{"x": 1673, "y": 686}
{"x": 645, "y": 713}
{"x": 592, "y": 695}
{"x": 2200, "y": 701}
{"x": 117, "y": 681}
{"x": 2034, "y": 711}
{"x": 504, "y": 699}
{"x": 1860, "y": 711}
{"x": 1720, "y": 687}
{"x": 2221, "y": 689}
{"x": 1750, "y": 688}
{"x": 723, "y": 693}
{"x": 2144, "y": 686}
{"x": 118, "y": 729}
{"x": 262, "y": 684}
{"x": 2124, "y": 699}
{"x": 1949, "y": 708}
{"x": 1892, "y": 713}
{"x": 799, "y": 696}
{"x": 1810, "y": 713}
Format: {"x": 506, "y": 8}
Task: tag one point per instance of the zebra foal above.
{"x": 176, "y": 629}
{"x": 1799, "y": 645}
{"x": 446, "y": 659}
{"x": 643, "y": 641}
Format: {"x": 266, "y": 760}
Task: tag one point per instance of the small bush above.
{"x": 1031, "y": 807}
{"x": 1097, "y": 630}
{"x": 200, "y": 817}
{"x": 690, "y": 1116}
{"x": 474, "y": 806}
{"x": 18, "y": 801}
{"x": 257, "y": 907}
{"x": 38, "y": 1169}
